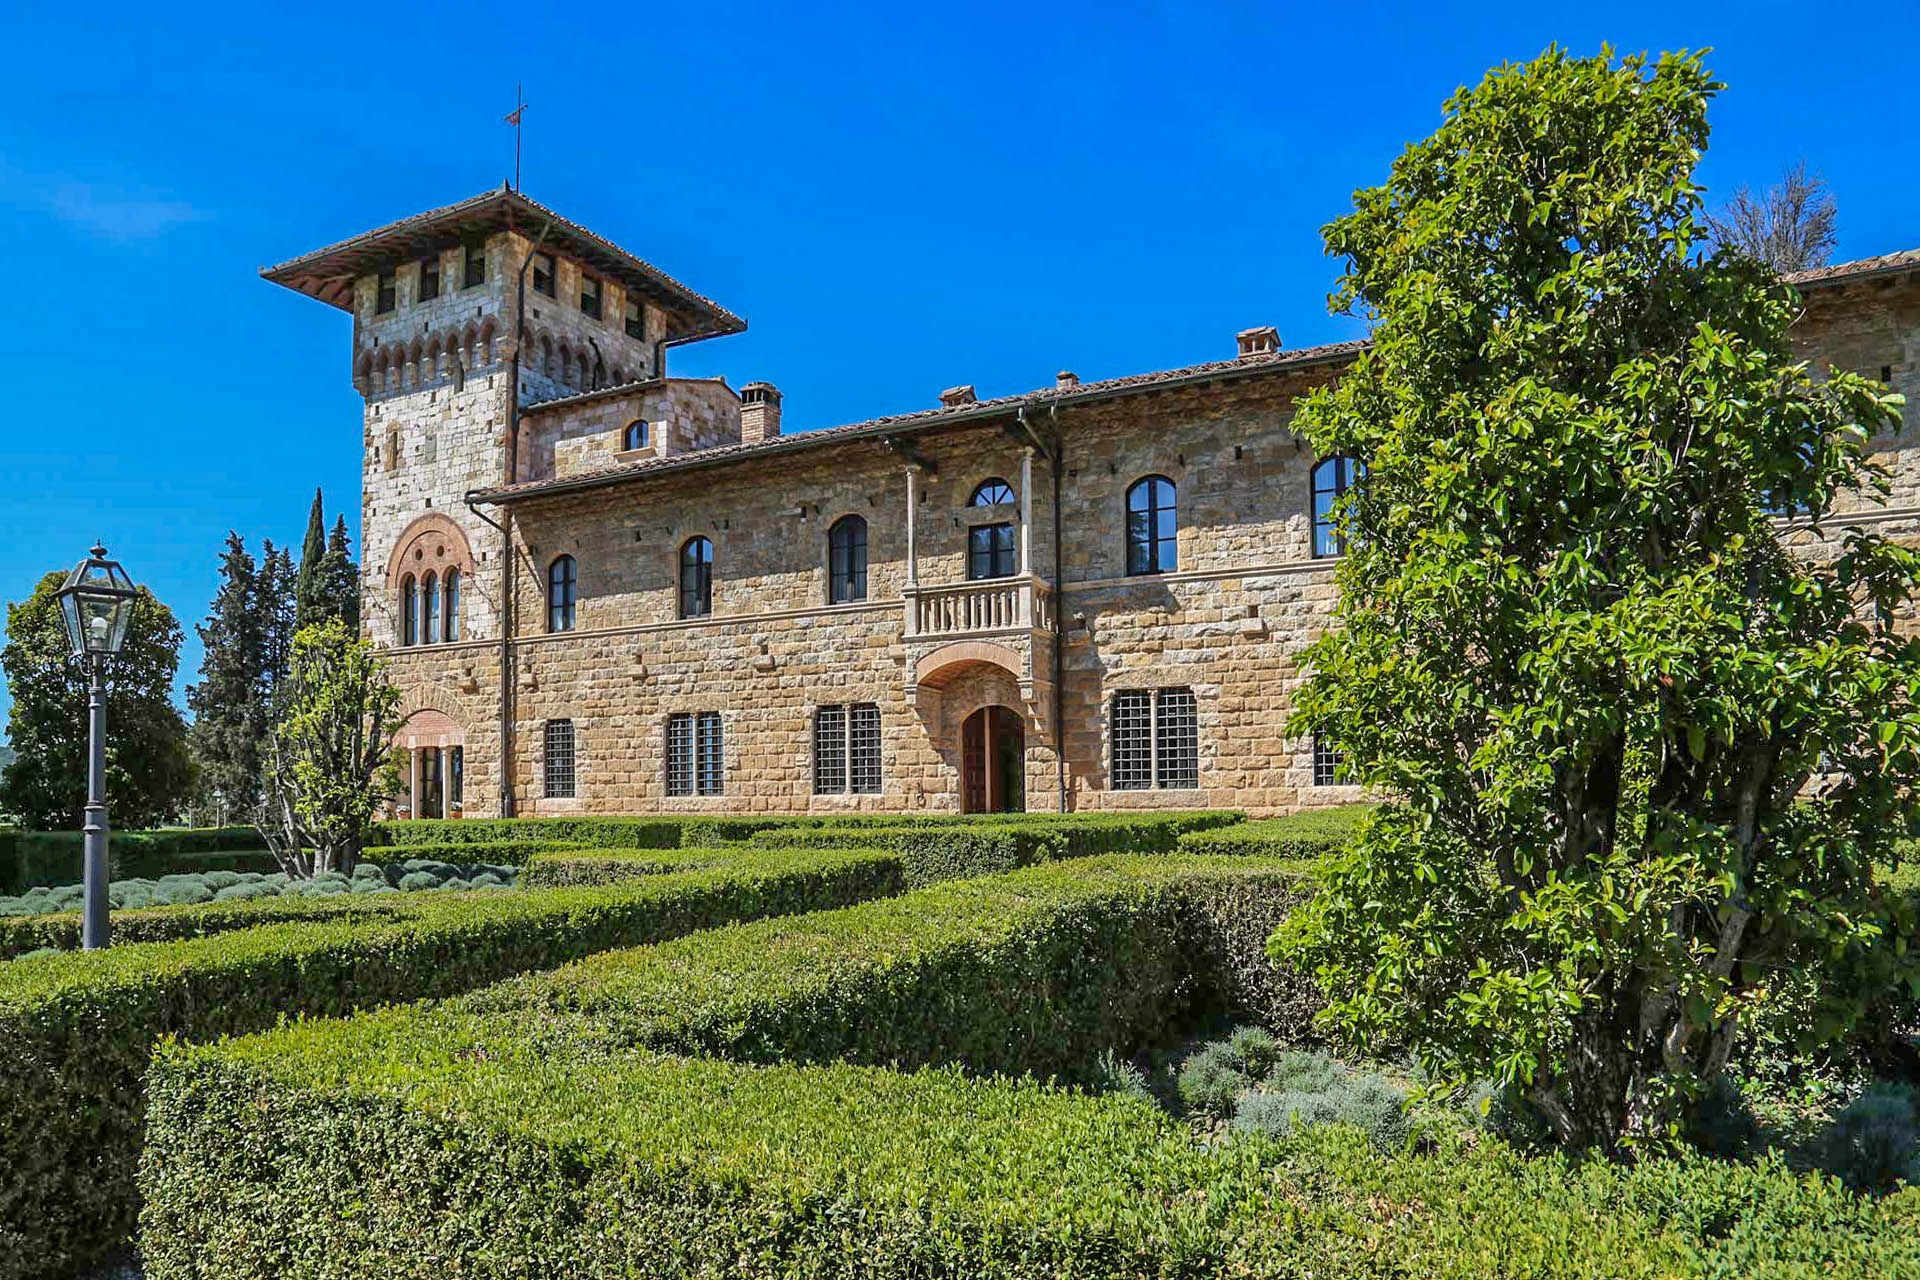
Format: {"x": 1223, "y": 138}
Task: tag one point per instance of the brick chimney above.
{"x": 759, "y": 412}
{"x": 954, "y": 397}
{"x": 1263, "y": 341}
{"x": 1066, "y": 378}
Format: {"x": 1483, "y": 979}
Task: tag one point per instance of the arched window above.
{"x": 635, "y": 436}
{"x": 430, "y": 610}
{"x": 409, "y": 611}
{"x": 696, "y": 578}
{"x": 562, "y": 578}
{"x": 991, "y": 493}
{"x": 1152, "y": 527}
{"x": 1332, "y": 477}
{"x": 847, "y": 560}
{"x": 451, "y": 590}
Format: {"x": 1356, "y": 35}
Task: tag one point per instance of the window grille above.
{"x": 429, "y": 278}
{"x": 559, "y": 760}
{"x": 1329, "y": 764}
{"x": 829, "y": 751}
{"x": 864, "y": 748}
{"x": 696, "y": 757}
{"x": 846, "y": 750}
{"x": 1154, "y": 740}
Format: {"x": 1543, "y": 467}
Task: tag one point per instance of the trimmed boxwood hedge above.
{"x": 1307, "y": 834}
{"x": 668, "y": 832}
{"x": 935, "y": 850}
{"x": 77, "y": 1028}
{"x": 572, "y": 865}
{"x": 1035, "y": 971}
{"x": 33, "y": 859}
{"x": 517, "y": 1133}
{"x": 513, "y": 852}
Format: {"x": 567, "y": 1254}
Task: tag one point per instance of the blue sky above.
{"x": 898, "y": 198}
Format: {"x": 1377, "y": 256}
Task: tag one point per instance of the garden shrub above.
{"x": 1035, "y": 971}
{"x": 1875, "y": 1140}
{"x": 514, "y": 852}
{"x": 610, "y": 866}
{"x": 29, "y": 859}
{"x": 77, "y": 1028}
{"x": 472, "y": 1149}
{"x": 1303, "y": 836}
{"x": 1305, "y": 1088}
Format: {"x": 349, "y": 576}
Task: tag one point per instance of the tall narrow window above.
{"x": 451, "y": 590}
{"x": 430, "y": 609}
{"x": 990, "y": 551}
{"x": 590, "y": 296}
{"x": 635, "y": 436}
{"x": 473, "y": 270}
{"x": 847, "y": 560}
{"x": 1332, "y": 477}
{"x": 846, "y": 750}
{"x": 991, "y": 493}
{"x": 562, "y": 580}
{"x": 385, "y": 296}
{"x": 429, "y": 278}
{"x": 696, "y": 578}
{"x": 1329, "y": 764}
{"x": 409, "y": 611}
{"x": 1154, "y": 740}
{"x": 543, "y": 274}
{"x": 696, "y": 757}
{"x": 636, "y": 319}
{"x": 1153, "y": 527}
{"x": 456, "y": 781}
{"x": 560, "y": 760}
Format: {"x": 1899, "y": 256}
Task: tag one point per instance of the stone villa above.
{"x": 609, "y": 590}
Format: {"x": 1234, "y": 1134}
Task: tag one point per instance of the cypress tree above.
{"x": 278, "y": 610}
{"x": 342, "y": 577}
{"x": 310, "y": 591}
{"x": 229, "y": 724}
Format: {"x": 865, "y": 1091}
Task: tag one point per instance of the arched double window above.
{"x": 1153, "y": 526}
{"x": 992, "y": 492}
{"x": 635, "y": 436}
{"x": 696, "y": 578}
{"x": 409, "y": 611}
{"x": 847, "y": 560}
{"x": 562, "y": 584}
{"x": 430, "y": 610}
{"x": 1332, "y": 477}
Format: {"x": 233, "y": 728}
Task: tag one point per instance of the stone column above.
{"x": 1026, "y": 512}
{"x": 913, "y": 520}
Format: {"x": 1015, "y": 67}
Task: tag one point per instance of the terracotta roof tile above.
{"x": 1906, "y": 259}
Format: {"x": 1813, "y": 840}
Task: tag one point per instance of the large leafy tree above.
{"x": 330, "y": 759}
{"x": 149, "y": 773}
{"x": 1643, "y": 757}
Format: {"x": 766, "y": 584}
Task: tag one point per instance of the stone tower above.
{"x": 463, "y": 317}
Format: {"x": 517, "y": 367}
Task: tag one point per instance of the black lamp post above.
{"x": 96, "y": 601}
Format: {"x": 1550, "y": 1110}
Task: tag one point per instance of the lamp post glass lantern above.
{"x": 96, "y": 602}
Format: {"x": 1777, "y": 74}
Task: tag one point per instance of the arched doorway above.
{"x": 993, "y": 761}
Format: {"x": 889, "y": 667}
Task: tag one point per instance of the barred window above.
{"x": 846, "y": 750}
{"x": 560, "y": 759}
{"x": 1154, "y": 738}
{"x": 1329, "y": 764}
{"x": 696, "y": 758}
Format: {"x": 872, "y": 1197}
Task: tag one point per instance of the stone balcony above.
{"x": 995, "y": 607}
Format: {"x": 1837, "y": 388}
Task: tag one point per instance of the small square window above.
{"x": 590, "y": 297}
{"x": 543, "y": 274}
{"x": 636, "y": 319}
{"x": 386, "y": 297}
{"x": 474, "y": 273}
{"x": 429, "y": 278}
{"x": 1329, "y": 764}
